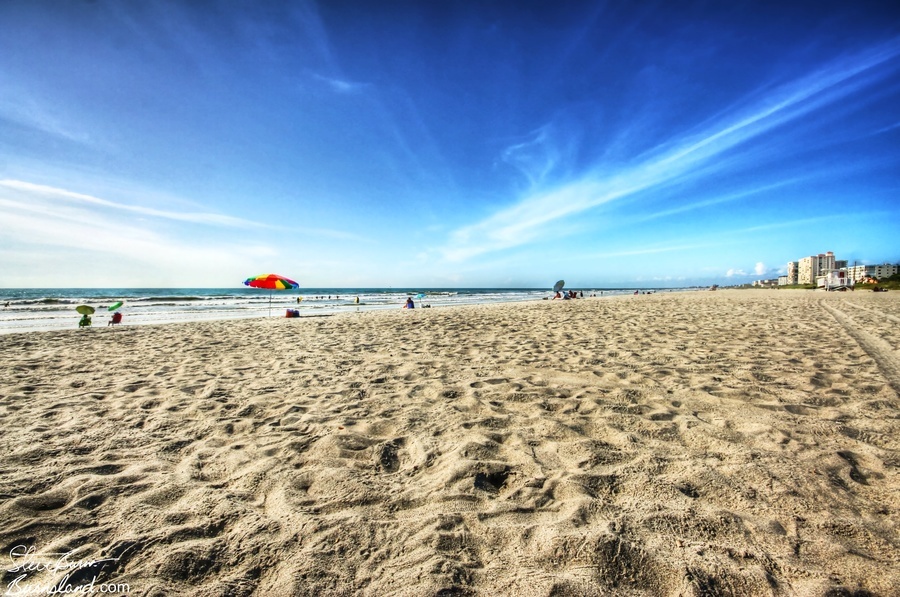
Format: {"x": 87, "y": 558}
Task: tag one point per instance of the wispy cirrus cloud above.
{"x": 120, "y": 251}
{"x": 683, "y": 158}
{"x": 57, "y": 198}
{"x": 24, "y": 109}
{"x": 339, "y": 85}
{"x": 887, "y": 128}
{"x": 59, "y": 223}
{"x": 717, "y": 200}
{"x": 535, "y": 157}
{"x": 123, "y": 244}
{"x": 71, "y": 196}
{"x": 806, "y": 223}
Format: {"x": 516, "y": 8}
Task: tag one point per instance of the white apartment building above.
{"x": 860, "y": 272}
{"x": 810, "y": 268}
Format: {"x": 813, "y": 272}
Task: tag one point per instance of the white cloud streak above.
{"x": 718, "y": 200}
{"x": 148, "y": 257}
{"x": 526, "y": 221}
{"x": 534, "y": 157}
{"x": 55, "y": 225}
{"x": 49, "y": 225}
{"x": 341, "y": 85}
{"x": 21, "y": 107}
{"x": 196, "y": 218}
{"x": 61, "y": 197}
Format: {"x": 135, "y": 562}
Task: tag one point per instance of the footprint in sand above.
{"x": 51, "y": 500}
{"x": 386, "y": 456}
{"x": 492, "y": 482}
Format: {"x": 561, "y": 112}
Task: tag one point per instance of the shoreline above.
{"x": 673, "y": 443}
{"x": 35, "y": 315}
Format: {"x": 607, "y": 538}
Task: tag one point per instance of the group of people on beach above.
{"x": 336, "y": 297}
{"x": 570, "y": 294}
{"x": 409, "y": 304}
{"x": 85, "y": 321}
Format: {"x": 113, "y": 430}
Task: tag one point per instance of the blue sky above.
{"x": 434, "y": 144}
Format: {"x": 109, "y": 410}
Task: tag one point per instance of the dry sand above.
{"x": 698, "y": 443}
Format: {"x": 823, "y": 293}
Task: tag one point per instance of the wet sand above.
{"x": 696, "y": 443}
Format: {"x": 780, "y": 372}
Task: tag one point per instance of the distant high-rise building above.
{"x": 810, "y": 267}
{"x": 792, "y": 271}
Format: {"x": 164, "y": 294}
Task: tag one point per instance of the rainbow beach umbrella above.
{"x": 271, "y": 282}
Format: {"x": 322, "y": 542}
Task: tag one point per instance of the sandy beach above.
{"x": 695, "y": 443}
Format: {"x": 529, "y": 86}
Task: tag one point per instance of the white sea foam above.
{"x": 31, "y": 310}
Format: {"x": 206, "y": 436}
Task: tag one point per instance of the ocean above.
{"x": 32, "y": 309}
